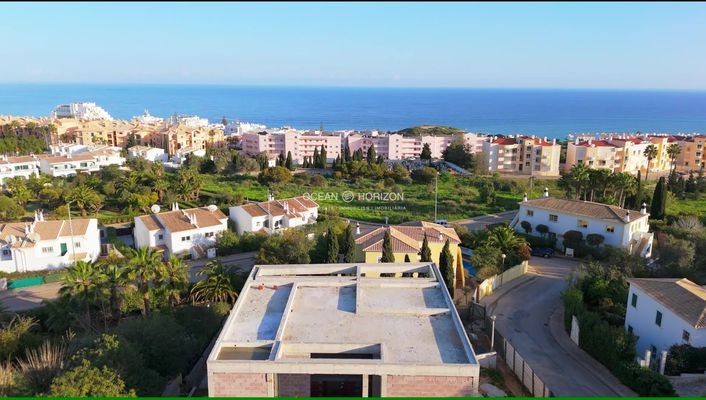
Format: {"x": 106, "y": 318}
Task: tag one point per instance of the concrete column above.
{"x": 648, "y": 358}
{"x": 663, "y": 362}
{"x": 365, "y": 385}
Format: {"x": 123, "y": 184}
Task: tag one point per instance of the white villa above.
{"x": 69, "y": 160}
{"x": 154, "y": 154}
{"x": 41, "y": 244}
{"x": 620, "y": 227}
{"x": 191, "y": 231}
{"x": 22, "y": 166}
{"x": 665, "y": 312}
{"x": 280, "y": 214}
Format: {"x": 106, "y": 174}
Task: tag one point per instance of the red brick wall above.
{"x": 229, "y": 384}
{"x": 293, "y": 385}
{"x": 429, "y": 386}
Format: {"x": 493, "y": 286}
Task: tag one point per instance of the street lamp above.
{"x": 492, "y": 333}
{"x": 503, "y": 256}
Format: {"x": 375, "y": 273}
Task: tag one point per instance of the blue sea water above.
{"x": 552, "y": 113}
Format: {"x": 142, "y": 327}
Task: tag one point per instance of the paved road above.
{"x": 481, "y": 222}
{"x": 529, "y": 315}
{"x": 32, "y": 297}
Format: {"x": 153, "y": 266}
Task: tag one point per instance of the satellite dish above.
{"x": 155, "y": 209}
{"x": 212, "y": 208}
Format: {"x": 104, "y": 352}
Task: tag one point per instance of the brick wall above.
{"x": 224, "y": 384}
{"x": 429, "y": 386}
{"x": 293, "y": 385}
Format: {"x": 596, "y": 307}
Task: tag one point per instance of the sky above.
{"x": 479, "y": 45}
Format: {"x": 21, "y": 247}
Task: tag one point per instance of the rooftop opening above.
{"x": 245, "y": 353}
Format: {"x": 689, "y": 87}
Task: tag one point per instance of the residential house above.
{"x": 191, "y": 231}
{"x": 279, "y": 214}
{"x": 337, "y": 330}
{"x": 42, "y": 244}
{"x": 154, "y": 154}
{"x": 22, "y": 166}
{"x": 620, "y": 227}
{"x": 407, "y": 241}
{"x": 88, "y": 159}
{"x": 665, "y": 312}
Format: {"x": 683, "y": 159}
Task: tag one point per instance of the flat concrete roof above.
{"x": 395, "y": 315}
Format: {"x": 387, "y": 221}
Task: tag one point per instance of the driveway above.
{"x": 529, "y": 315}
{"x": 32, "y": 297}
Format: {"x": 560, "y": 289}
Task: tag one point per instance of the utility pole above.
{"x": 436, "y": 193}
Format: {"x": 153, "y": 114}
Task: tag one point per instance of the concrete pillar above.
{"x": 648, "y": 357}
{"x": 663, "y": 362}
{"x": 365, "y": 385}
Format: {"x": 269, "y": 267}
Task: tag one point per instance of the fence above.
{"x": 488, "y": 286}
{"x": 518, "y": 365}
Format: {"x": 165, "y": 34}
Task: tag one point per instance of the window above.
{"x": 46, "y": 250}
{"x": 160, "y": 236}
{"x": 553, "y": 218}
{"x": 5, "y": 252}
{"x": 582, "y": 223}
{"x": 685, "y": 336}
{"x": 77, "y": 245}
{"x": 633, "y": 302}
{"x": 658, "y": 319}
{"x": 185, "y": 238}
{"x": 630, "y": 328}
{"x": 610, "y": 228}
{"x": 209, "y": 234}
{"x": 530, "y": 213}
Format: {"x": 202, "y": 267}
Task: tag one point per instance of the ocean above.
{"x": 551, "y": 113}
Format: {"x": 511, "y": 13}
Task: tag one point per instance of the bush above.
{"x": 423, "y": 175}
{"x": 537, "y": 241}
{"x": 526, "y": 226}
{"x": 686, "y": 359}
{"x": 542, "y": 229}
{"x": 595, "y": 239}
{"x": 645, "y": 382}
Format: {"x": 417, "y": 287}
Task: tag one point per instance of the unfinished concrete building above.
{"x": 362, "y": 330}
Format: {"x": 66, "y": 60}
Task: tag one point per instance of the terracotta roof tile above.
{"x": 585, "y": 208}
{"x": 407, "y": 238}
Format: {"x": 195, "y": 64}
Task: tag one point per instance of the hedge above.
{"x": 686, "y": 359}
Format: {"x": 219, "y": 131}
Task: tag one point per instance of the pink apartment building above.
{"x": 398, "y": 147}
{"x": 298, "y": 143}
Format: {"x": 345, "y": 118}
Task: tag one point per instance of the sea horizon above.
{"x": 551, "y": 112}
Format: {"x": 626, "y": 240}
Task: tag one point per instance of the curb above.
{"x": 556, "y": 324}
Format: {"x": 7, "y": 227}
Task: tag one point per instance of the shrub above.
{"x": 595, "y": 239}
{"x": 542, "y": 229}
{"x": 537, "y": 241}
{"x": 526, "y": 226}
{"x": 686, "y": 359}
{"x": 423, "y": 175}
{"x": 573, "y": 236}
{"x": 645, "y": 382}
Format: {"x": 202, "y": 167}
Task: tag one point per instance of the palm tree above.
{"x": 673, "y": 151}
{"x": 579, "y": 178}
{"x": 650, "y": 153}
{"x": 175, "y": 278}
{"x": 160, "y": 186}
{"x": 113, "y": 278}
{"x": 80, "y": 283}
{"x": 505, "y": 239}
{"x": 84, "y": 197}
{"x": 219, "y": 285}
{"x": 144, "y": 265}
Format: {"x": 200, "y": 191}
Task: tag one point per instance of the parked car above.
{"x": 441, "y": 222}
{"x": 545, "y": 252}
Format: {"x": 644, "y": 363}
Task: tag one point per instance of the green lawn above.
{"x": 693, "y": 204}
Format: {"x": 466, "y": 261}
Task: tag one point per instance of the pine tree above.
{"x": 315, "y": 163}
{"x": 425, "y": 253}
{"x": 322, "y": 154}
{"x": 288, "y": 163}
{"x": 659, "y": 200}
{"x": 372, "y": 155}
{"x": 388, "y": 255}
{"x": 331, "y": 246}
{"x": 406, "y": 258}
{"x": 349, "y": 244}
{"x": 446, "y": 267}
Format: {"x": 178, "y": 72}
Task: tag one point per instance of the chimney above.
{"x": 643, "y": 209}
{"x": 546, "y": 192}
{"x": 524, "y": 198}
{"x": 553, "y": 142}
{"x": 590, "y": 141}
{"x": 357, "y": 228}
{"x": 627, "y": 216}
{"x": 28, "y": 230}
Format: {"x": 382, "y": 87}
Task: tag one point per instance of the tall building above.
{"x": 81, "y": 111}
{"x": 526, "y": 155}
{"x": 300, "y": 144}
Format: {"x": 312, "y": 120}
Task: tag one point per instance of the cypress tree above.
{"x": 331, "y": 246}
{"x": 388, "y": 255}
{"x": 372, "y": 156}
{"x": 280, "y": 160}
{"x": 446, "y": 267}
{"x": 288, "y": 162}
{"x": 358, "y": 155}
{"x": 347, "y": 154}
{"x": 425, "y": 253}
{"x": 322, "y": 154}
{"x": 659, "y": 200}
{"x": 349, "y": 244}
{"x": 316, "y": 158}
{"x": 380, "y": 159}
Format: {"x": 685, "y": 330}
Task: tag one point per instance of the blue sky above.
{"x": 538, "y": 45}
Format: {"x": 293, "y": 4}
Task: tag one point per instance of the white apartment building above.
{"x": 300, "y": 144}
{"x": 40, "y": 244}
{"x": 191, "y": 121}
{"x": 191, "y": 231}
{"x": 92, "y": 159}
{"x": 22, "y": 166}
{"x": 665, "y": 312}
{"x": 82, "y": 111}
{"x": 154, "y": 154}
{"x": 620, "y": 227}
{"x": 278, "y": 214}
{"x": 527, "y": 155}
